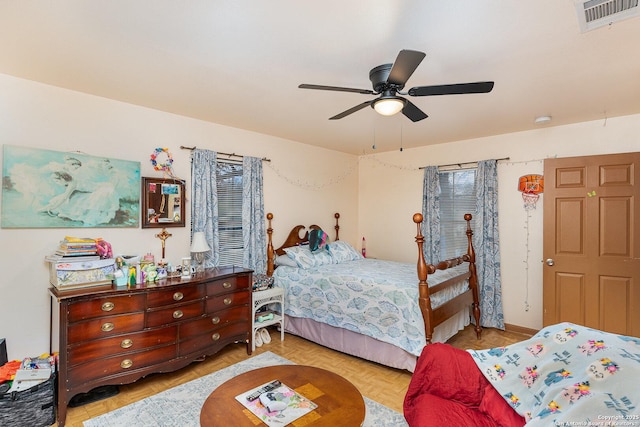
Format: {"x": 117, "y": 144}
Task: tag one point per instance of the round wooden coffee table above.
{"x": 339, "y": 402}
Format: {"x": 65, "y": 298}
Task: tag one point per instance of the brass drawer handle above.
{"x": 107, "y": 327}
{"x": 108, "y": 306}
{"x": 178, "y": 296}
{"x": 226, "y": 285}
{"x": 215, "y": 337}
{"x": 178, "y": 314}
{"x": 227, "y": 301}
{"x": 126, "y": 343}
{"x": 215, "y": 320}
{"x": 126, "y": 363}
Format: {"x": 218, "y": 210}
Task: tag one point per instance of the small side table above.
{"x": 260, "y": 299}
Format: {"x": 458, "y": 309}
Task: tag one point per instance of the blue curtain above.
{"x": 431, "y": 214}
{"x": 487, "y": 245}
{"x": 204, "y": 201}
{"x": 254, "y": 234}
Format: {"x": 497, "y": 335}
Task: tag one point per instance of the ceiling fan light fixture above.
{"x": 388, "y": 106}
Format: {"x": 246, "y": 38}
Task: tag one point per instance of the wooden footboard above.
{"x": 434, "y": 317}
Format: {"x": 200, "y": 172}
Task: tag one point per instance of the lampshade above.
{"x": 388, "y": 106}
{"x": 199, "y": 243}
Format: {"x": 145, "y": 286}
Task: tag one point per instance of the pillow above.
{"x": 323, "y": 257}
{"x": 318, "y": 239}
{"x": 285, "y": 261}
{"x": 342, "y": 252}
{"x": 303, "y": 257}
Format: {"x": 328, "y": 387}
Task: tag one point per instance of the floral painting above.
{"x": 51, "y": 189}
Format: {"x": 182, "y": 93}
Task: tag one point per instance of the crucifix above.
{"x": 163, "y": 236}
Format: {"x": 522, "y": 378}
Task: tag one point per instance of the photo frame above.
{"x": 53, "y": 189}
{"x": 162, "y": 202}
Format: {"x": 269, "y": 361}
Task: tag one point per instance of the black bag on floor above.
{"x": 33, "y": 407}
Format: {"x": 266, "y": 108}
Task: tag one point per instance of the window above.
{"x": 229, "y": 178}
{"x": 457, "y": 197}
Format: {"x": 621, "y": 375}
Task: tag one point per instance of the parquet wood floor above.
{"x": 380, "y": 383}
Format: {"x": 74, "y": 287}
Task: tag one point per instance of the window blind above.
{"x": 457, "y": 197}
{"x": 229, "y": 183}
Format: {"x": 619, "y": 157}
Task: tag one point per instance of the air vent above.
{"x": 593, "y": 14}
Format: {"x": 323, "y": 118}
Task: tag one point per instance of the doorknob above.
{"x": 550, "y": 261}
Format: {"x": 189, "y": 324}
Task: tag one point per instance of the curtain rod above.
{"x": 224, "y": 154}
{"x": 460, "y": 164}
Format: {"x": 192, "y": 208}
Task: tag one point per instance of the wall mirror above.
{"x": 162, "y": 202}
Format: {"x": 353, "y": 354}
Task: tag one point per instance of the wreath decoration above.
{"x": 162, "y": 166}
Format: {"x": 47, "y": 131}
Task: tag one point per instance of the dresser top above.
{"x": 208, "y": 275}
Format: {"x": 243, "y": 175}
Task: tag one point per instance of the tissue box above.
{"x": 71, "y": 275}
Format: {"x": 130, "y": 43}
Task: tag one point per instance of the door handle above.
{"x": 549, "y": 261}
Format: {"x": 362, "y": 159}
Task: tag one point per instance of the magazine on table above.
{"x": 275, "y": 403}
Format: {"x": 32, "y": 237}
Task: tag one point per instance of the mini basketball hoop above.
{"x": 531, "y": 187}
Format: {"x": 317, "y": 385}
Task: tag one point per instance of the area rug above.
{"x": 180, "y": 406}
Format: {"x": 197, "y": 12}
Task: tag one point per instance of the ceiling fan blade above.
{"x": 412, "y": 112}
{"x": 406, "y": 63}
{"x": 350, "y": 110}
{"x": 338, "y": 89}
{"x": 454, "y": 89}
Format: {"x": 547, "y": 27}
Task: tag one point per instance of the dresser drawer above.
{"x": 214, "y": 321}
{"x": 108, "y": 366}
{"x": 229, "y": 284}
{"x": 215, "y": 340}
{"x": 225, "y": 301}
{"x": 173, "y": 295}
{"x": 175, "y": 313}
{"x": 121, "y": 344}
{"x": 105, "y": 306}
{"x": 105, "y": 327}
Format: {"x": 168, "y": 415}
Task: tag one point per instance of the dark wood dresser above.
{"x": 107, "y": 335}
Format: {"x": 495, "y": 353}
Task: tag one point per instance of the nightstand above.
{"x": 260, "y": 299}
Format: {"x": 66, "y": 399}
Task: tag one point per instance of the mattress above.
{"x": 369, "y": 297}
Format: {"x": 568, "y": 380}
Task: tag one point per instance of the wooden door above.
{"x": 591, "y": 242}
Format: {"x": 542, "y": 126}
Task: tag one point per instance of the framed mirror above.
{"x": 162, "y": 202}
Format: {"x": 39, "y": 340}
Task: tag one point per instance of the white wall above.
{"x": 391, "y": 190}
{"x": 376, "y": 194}
{"x": 302, "y": 183}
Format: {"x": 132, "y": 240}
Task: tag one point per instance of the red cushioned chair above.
{"x": 448, "y": 389}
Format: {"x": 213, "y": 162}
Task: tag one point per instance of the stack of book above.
{"x": 76, "y": 264}
{"x": 76, "y": 246}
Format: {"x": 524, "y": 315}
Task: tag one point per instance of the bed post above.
{"x": 270, "y": 252}
{"x": 423, "y": 288}
{"x": 473, "y": 279}
{"x": 337, "y": 227}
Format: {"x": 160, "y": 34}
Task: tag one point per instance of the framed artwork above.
{"x": 162, "y": 202}
{"x": 52, "y": 189}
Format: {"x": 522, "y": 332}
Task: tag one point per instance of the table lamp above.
{"x": 199, "y": 248}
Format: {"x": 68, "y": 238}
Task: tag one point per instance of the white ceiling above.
{"x": 239, "y": 63}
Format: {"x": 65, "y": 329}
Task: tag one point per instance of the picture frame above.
{"x": 54, "y": 189}
{"x": 163, "y": 202}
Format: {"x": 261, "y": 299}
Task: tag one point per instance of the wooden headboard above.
{"x": 293, "y": 239}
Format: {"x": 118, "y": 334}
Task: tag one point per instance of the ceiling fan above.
{"x": 388, "y": 81}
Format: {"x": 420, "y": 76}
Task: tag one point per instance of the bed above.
{"x": 382, "y": 311}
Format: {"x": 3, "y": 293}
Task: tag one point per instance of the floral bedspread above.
{"x": 568, "y": 375}
{"x": 371, "y": 297}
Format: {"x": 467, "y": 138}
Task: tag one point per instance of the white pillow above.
{"x": 342, "y": 252}
{"x": 284, "y": 260}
